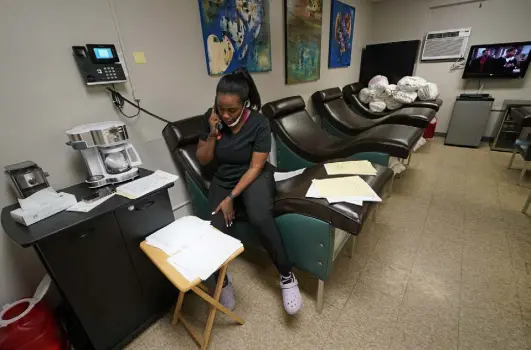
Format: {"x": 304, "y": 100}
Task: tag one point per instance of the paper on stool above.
{"x": 355, "y": 167}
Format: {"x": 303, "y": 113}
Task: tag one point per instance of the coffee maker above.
{"x": 107, "y": 153}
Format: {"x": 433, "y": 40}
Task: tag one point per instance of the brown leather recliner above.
{"x": 351, "y": 97}
{"x": 338, "y": 118}
{"x": 294, "y": 127}
{"x": 330, "y": 101}
{"x": 182, "y": 137}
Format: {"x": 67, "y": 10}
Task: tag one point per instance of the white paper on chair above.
{"x": 352, "y": 189}
{"x": 314, "y": 193}
{"x": 355, "y": 167}
{"x": 280, "y": 176}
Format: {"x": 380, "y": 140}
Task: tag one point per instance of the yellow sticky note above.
{"x": 139, "y": 56}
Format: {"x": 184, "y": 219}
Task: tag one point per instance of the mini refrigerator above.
{"x": 469, "y": 120}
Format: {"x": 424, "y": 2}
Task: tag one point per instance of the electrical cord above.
{"x": 119, "y": 102}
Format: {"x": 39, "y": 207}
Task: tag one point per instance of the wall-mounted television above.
{"x": 505, "y": 60}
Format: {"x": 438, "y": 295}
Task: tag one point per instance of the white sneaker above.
{"x": 290, "y": 294}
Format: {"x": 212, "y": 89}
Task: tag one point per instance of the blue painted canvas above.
{"x": 341, "y": 34}
{"x": 236, "y": 34}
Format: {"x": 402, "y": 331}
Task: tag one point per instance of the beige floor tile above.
{"x": 490, "y": 329}
{"x": 397, "y": 246}
{"x": 367, "y": 239}
{"x": 335, "y": 292}
{"x": 260, "y": 331}
{"x": 439, "y": 255}
{"x": 345, "y": 273}
{"x": 520, "y": 248}
{"x": 483, "y": 225}
{"x": 388, "y": 279}
{"x": 426, "y": 327}
{"x": 162, "y": 335}
{"x": 366, "y": 322}
{"x": 415, "y": 183}
{"x": 478, "y": 291}
{"x": 523, "y": 283}
{"x": 314, "y": 327}
{"x": 403, "y": 211}
{"x": 527, "y": 331}
{"x": 518, "y": 223}
{"x": 432, "y": 290}
{"x": 485, "y": 244}
{"x": 448, "y": 218}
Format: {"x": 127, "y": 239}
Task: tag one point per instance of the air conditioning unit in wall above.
{"x": 445, "y": 44}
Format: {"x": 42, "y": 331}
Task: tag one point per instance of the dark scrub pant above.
{"x": 257, "y": 201}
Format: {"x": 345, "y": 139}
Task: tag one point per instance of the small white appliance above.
{"x": 445, "y": 44}
{"x": 108, "y": 155}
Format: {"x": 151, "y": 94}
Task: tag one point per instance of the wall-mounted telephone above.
{"x": 99, "y": 64}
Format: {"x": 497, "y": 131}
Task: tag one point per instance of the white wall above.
{"x": 42, "y": 95}
{"x": 495, "y": 21}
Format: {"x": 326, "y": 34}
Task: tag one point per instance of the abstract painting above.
{"x": 341, "y": 34}
{"x": 303, "y": 24}
{"x": 236, "y": 34}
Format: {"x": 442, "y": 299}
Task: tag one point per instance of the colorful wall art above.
{"x": 341, "y": 34}
{"x": 236, "y": 33}
{"x": 303, "y": 27}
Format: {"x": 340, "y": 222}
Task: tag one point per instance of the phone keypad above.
{"x": 111, "y": 73}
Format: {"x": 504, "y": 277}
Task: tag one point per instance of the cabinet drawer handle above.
{"x": 141, "y": 207}
{"x": 85, "y": 233}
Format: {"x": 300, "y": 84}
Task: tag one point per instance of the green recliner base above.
{"x": 287, "y": 160}
{"x": 309, "y": 242}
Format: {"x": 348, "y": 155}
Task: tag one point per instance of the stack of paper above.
{"x": 84, "y": 207}
{"x": 356, "y": 167}
{"x": 195, "y": 248}
{"x": 351, "y": 189}
{"x": 145, "y": 185}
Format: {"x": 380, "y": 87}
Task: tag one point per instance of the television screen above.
{"x": 509, "y": 60}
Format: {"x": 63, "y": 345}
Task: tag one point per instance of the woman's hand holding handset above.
{"x": 214, "y": 122}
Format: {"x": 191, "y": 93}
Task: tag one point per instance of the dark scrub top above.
{"x": 233, "y": 152}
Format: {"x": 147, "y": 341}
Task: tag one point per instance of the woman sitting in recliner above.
{"x": 238, "y": 138}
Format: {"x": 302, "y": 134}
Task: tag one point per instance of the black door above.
{"x": 137, "y": 221}
{"x": 91, "y": 267}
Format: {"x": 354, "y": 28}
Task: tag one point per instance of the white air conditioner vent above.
{"x": 445, "y": 44}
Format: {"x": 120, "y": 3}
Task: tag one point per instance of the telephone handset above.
{"x": 216, "y": 110}
{"x": 99, "y": 64}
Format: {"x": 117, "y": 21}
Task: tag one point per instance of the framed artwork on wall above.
{"x": 303, "y": 26}
{"x": 236, "y": 34}
{"x": 341, "y": 34}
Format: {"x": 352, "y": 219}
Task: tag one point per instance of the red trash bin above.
{"x": 429, "y": 132}
{"x": 29, "y": 324}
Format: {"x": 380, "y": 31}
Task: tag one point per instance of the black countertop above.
{"x": 26, "y": 236}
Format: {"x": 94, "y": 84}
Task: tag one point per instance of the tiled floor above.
{"x": 446, "y": 264}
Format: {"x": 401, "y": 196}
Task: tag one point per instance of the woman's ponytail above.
{"x": 242, "y": 84}
{"x": 253, "y": 96}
